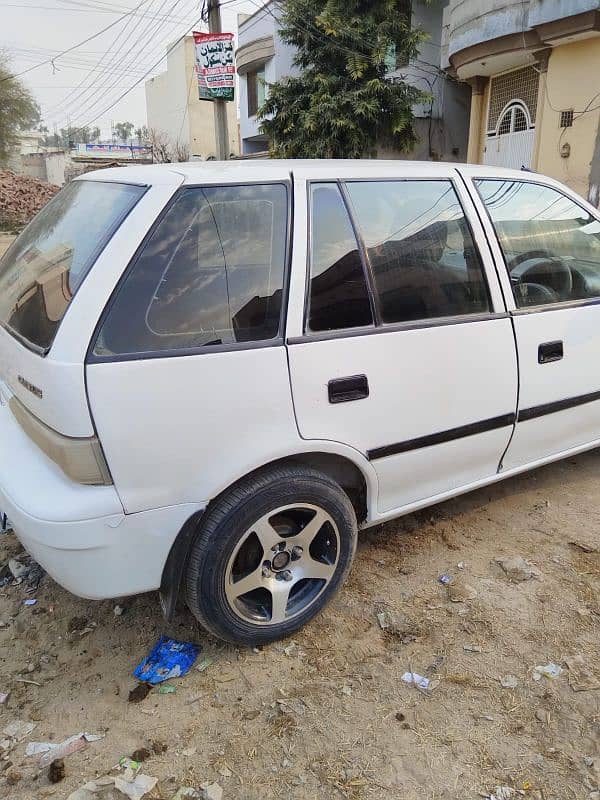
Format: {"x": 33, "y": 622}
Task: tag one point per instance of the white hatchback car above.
{"x": 213, "y": 374}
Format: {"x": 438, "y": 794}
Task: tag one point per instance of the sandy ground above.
{"x": 327, "y": 715}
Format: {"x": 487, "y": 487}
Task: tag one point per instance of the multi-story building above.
{"x": 533, "y": 66}
{"x": 441, "y": 123}
{"x": 262, "y": 58}
{"x": 175, "y": 111}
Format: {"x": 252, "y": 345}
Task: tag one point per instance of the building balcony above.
{"x": 483, "y": 37}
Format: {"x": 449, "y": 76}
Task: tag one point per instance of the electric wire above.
{"x": 123, "y": 62}
{"x": 153, "y": 67}
{"x": 79, "y": 94}
{"x": 75, "y": 46}
{"x": 88, "y": 108}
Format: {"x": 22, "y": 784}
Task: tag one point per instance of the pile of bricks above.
{"x": 21, "y": 197}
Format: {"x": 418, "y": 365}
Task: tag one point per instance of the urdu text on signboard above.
{"x": 215, "y": 65}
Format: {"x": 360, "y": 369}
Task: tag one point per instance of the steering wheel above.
{"x": 520, "y": 257}
{"x": 545, "y": 271}
{"x": 533, "y": 294}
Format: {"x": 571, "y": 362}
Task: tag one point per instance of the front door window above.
{"x": 551, "y": 244}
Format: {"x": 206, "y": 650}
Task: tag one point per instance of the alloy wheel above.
{"x": 282, "y": 564}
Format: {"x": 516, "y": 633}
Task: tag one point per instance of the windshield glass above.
{"x": 46, "y": 264}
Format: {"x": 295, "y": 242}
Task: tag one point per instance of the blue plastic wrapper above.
{"x": 168, "y": 659}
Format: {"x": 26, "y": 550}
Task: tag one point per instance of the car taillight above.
{"x": 81, "y": 459}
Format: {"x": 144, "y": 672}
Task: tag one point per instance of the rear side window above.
{"x": 424, "y": 261}
{"x": 211, "y": 273}
{"x": 338, "y": 296}
{"x": 43, "y": 269}
{"x": 551, "y": 244}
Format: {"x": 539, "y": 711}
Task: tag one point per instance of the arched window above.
{"x": 514, "y": 118}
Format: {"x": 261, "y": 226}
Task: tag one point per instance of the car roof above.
{"x": 265, "y": 170}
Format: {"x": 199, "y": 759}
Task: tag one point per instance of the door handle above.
{"x": 343, "y": 390}
{"x": 550, "y": 351}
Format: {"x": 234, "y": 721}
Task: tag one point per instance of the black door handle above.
{"x": 342, "y": 390}
{"x": 550, "y": 351}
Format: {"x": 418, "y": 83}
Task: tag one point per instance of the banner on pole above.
{"x": 215, "y": 66}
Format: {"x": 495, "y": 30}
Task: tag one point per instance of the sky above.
{"x": 83, "y": 87}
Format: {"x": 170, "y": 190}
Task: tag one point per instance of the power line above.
{"x": 85, "y": 10}
{"x": 75, "y": 46}
{"x": 80, "y": 64}
{"x": 153, "y": 67}
{"x": 64, "y": 86}
{"x": 46, "y": 51}
{"x": 129, "y": 56}
{"x": 145, "y": 34}
{"x": 69, "y": 99}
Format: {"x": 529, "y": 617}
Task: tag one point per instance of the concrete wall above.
{"x": 173, "y": 105}
{"x": 55, "y": 167}
{"x": 444, "y": 138}
{"x": 423, "y": 72}
{"x": 447, "y": 136}
{"x": 33, "y": 165}
{"x": 569, "y": 87}
{"x": 262, "y": 23}
{"x": 475, "y": 21}
{"x": 471, "y": 22}
{"x": 487, "y": 38}
{"x": 28, "y": 143}
{"x": 542, "y": 11}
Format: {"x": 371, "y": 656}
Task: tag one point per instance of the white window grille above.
{"x": 520, "y": 84}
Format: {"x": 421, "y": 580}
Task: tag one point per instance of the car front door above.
{"x": 405, "y": 351}
{"x": 550, "y": 251}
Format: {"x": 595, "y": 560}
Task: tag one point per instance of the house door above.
{"x": 510, "y": 144}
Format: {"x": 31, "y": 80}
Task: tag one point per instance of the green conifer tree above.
{"x": 343, "y": 104}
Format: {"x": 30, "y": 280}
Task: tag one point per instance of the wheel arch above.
{"x": 344, "y": 464}
{"x": 354, "y": 475}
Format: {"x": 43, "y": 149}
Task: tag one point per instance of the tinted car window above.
{"x": 338, "y": 296}
{"x": 211, "y": 273}
{"x": 43, "y": 269}
{"x": 420, "y": 248}
{"x": 551, "y": 244}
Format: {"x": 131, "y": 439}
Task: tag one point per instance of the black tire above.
{"x": 225, "y": 527}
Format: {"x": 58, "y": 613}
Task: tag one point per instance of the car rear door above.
{"x": 547, "y": 243}
{"x": 404, "y": 349}
{"x": 187, "y": 377}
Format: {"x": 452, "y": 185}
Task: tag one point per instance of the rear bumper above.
{"x": 79, "y": 534}
{"x": 103, "y": 557}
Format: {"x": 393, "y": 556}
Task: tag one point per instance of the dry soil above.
{"x": 326, "y": 715}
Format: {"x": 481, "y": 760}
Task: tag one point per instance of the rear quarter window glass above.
{"x": 47, "y": 263}
{"x": 211, "y": 273}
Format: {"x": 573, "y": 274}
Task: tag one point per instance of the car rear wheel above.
{"x": 270, "y": 554}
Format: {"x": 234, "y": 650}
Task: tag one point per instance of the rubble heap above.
{"x": 21, "y": 197}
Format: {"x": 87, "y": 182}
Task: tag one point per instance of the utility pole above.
{"x": 220, "y": 106}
